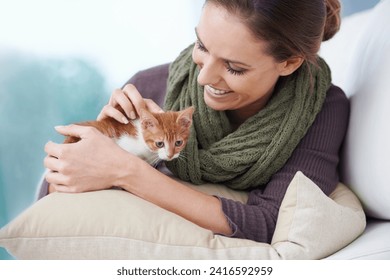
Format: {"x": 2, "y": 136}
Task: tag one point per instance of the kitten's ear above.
{"x": 185, "y": 117}
{"x": 148, "y": 121}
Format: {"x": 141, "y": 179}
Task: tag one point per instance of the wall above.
{"x": 353, "y": 6}
{"x": 59, "y": 62}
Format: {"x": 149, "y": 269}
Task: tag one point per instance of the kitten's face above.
{"x": 166, "y": 133}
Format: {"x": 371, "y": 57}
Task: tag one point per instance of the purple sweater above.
{"x": 317, "y": 156}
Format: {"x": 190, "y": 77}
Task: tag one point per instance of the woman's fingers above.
{"x": 120, "y": 106}
{"x": 79, "y": 131}
{"x": 51, "y": 163}
{"x": 152, "y": 106}
{"x": 56, "y": 178}
{"x": 135, "y": 98}
{"x": 120, "y": 98}
{"x": 53, "y": 149}
{"x": 109, "y": 111}
{"x": 126, "y": 104}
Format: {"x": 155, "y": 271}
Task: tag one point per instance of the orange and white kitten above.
{"x": 152, "y": 137}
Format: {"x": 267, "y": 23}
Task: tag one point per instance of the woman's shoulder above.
{"x": 336, "y": 95}
{"x": 152, "y": 82}
{"x": 329, "y": 128}
{"x": 156, "y": 72}
{"x": 335, "y": 110}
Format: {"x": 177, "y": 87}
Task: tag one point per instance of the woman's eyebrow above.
{"x": 197, "y": 36}
{"x": 225, "y": 59}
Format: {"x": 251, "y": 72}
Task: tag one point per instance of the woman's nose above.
{"x": 209, "y": 70}
{"x": 209, "y": 73}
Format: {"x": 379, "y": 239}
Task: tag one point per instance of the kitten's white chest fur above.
{"x": 137, "y": 146}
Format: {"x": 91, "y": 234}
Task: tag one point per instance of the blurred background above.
{"x": 60, "y": 61}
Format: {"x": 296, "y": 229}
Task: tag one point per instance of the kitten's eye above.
{"x": 159, "y": 144}
{"x": 178, "y": 143}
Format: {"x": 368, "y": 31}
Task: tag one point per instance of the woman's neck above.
{"x": 239, "y": 116}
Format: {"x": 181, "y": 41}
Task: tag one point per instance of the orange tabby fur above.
{"x": 170, "y": 128}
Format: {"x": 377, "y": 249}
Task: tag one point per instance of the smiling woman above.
{"x": 252, "y": 131}
{"x": 223, "y": 70}
{"x": 231, "y": 76}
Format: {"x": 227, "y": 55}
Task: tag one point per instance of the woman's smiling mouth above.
{"x": 216, "y": 91}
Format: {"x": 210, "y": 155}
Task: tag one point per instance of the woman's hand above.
{"x": 96, "y": 162}
{"x": 131, "y": 102}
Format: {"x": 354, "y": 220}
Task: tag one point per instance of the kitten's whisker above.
{"x": 155, "y": 162}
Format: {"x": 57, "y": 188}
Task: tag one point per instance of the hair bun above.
{"x": 333, "y": 19}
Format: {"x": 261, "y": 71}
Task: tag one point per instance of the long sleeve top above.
{"x": 317, "y": 156}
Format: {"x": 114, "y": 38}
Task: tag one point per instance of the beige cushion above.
{"x": 114, "y": 224}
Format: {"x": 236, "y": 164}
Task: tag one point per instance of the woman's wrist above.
{"x": 128, "y": 171}
{"x": 204, "y": 210}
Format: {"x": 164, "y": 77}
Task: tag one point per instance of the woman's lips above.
{"x": 216, "y": 91}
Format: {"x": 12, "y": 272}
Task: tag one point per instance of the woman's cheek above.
{"x": 197, "y": 57}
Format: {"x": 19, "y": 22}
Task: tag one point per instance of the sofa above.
{"x": 353, "y": 223}
{"x": 359, "y": 57}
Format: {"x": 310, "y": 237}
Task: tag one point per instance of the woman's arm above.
{"x": 151, "y": 82}
{"x": 317, "y": 156}
{"x": 161, "y": 190}
{"x": 96, "y": 163}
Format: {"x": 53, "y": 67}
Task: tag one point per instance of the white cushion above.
{"x": 114, "y": 224}
{"x": 359, "y": 58}
{"x": 340, "y": 50}
{"x": 373, "y": 244}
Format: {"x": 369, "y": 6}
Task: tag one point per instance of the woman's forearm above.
{"x": 97, "y": 163}
{"x": 157, "y": 188}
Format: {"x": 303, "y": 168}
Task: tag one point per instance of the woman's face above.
{"x": 234, "y": 69}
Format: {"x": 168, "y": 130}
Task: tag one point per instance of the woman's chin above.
{"x": 219, "y": 103}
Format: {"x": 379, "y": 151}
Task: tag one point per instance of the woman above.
{"x": 265, "y": 108}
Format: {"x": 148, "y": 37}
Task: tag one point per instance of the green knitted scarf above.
{"x": 248, "y": 156}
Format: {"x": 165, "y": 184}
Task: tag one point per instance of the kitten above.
{"x": 152, "y": 137}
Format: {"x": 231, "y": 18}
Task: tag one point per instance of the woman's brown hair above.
{"x": 290, "y": 27}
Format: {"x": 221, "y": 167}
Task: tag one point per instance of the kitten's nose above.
{"x": 170, "y": 152}
{"x": 170, "y": 156}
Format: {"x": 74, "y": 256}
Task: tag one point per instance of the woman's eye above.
{"x": 200, "y": 46}
{"x": 233, "y": 71}
{"x": 159, "y": 144}
{"x": 179, "y": 143}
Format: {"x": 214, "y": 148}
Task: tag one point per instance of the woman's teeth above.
{"x": 216, "y": 91}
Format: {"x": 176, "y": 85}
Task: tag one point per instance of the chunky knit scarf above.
{"x": 248, "y": 156}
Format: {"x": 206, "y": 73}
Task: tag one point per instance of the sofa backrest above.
{"x": 359, "y": 57}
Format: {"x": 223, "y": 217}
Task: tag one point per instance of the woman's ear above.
{"x": 288, "y": 66}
